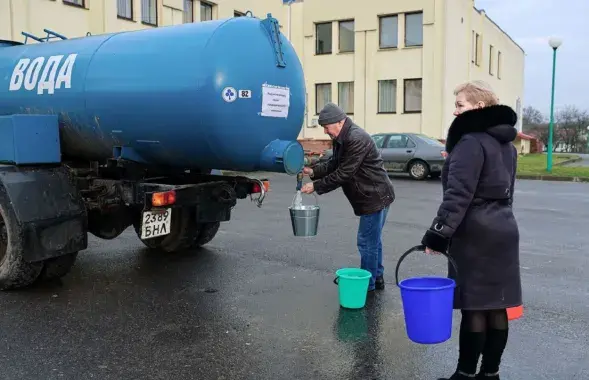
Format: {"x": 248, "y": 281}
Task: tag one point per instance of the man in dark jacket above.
{"x": 356, "y": 166}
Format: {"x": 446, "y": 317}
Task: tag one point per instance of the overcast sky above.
{"x": 530, "y": 23}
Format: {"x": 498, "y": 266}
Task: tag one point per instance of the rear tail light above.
{"x": 444, "y": 153}
{"x": 257, "y": 189}
{"x": 165, "y": 198}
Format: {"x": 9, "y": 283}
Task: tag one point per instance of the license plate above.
{"x": 156, "y": 223}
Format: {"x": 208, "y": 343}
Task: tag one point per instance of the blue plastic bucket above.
{"x": 428, "y": 304}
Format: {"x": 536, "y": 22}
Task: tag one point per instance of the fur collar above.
{"x": 481, "y": 120}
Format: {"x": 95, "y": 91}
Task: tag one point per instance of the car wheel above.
{"x": 418, "y": 170}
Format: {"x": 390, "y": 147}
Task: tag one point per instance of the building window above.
{"x": 389, "y": 32}
{"x": 499, "y": 62}
{"x": 387, "y": 96}
{"x": 414, "y": 29}
{"x": 79, "y": 3}
{"x": 412, "y": 95}
{"x": 322, "y": 96}
{"x": 491, "y": 59}
{"x": 323, "y": 33}
{"x": 149, "y": 12}
{"x": 345, "y": 96}
{"x": 206, "y": 11}
{"x": 125, "y": 9}
{"x": 188, "y": 11}
{"x": 346, "y": 36}
{"x": 476, "y": 48}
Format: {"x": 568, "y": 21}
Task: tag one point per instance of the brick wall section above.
{"x": 313, "y": 146}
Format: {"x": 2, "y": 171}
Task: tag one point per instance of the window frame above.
{"x": 317, "y": 110}
{"x": 405, "y": 34}
{"x": 380, "y": 29}
{"x": 491, "y": 59}
{"x": 378, "y": 111}
{"x": 143, "y": 14}
{"x": 353, "y": 87}
{"x": 132, "y": 6}
{"x": 339, "y": 36}
{"x": 317, "y": 25}
{"x": 405, "y": 81}
{"x": 206, "y": 5}
{"x": 184, "y": 13}
{"x": 73, "y": 3}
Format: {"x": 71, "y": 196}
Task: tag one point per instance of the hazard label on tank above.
{"x": 229, "y": 94}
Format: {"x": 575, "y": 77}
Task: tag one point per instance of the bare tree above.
{"x": 532, "y": 117}
{"x": 572, "y": 128}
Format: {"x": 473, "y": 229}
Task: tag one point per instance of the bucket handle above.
{"x": 421, "y": 248}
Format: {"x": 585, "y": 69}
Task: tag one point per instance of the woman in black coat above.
{"x": 476, "y": 226}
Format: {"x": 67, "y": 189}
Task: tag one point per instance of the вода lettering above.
{"x": 42, "y": 74}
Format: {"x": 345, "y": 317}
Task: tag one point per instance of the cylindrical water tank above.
{"x": 223, "y": 94}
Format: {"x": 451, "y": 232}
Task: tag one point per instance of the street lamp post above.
{"x": 554, "y": 44}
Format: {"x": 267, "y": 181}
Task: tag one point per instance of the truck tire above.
{"x": 181, "y": 237}
{"x": 15, "y": 272}
{"x": 57, "y": 267}
{"x": 207, "y": 232}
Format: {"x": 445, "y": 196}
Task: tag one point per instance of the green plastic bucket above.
{"x": 352, "y": 286}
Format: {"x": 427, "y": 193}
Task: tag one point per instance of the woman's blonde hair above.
{"x": 478, "y": 91}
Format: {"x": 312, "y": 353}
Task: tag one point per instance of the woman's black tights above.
{"x": 482, "y": 332}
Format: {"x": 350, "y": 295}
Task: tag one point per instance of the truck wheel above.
{"x": 207, "y": 232}
{"x": 14, "y": 271}
{"x": 183, "y": 232}
{"x": 418, "y": 170}
{"x": 57, "y": 267}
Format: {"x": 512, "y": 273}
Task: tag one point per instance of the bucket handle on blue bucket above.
{"x": 421, "y": 248}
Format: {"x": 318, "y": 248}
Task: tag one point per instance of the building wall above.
{"x": 442, "y": 61}
{"x": 466, "y": 59}
{"x": 368, "y": 63}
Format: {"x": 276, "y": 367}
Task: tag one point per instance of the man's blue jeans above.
{"x": 370, "y": 243}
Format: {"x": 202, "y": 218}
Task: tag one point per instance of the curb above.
{"x": 569, "y": 161}
{"x": 551, "y": 178}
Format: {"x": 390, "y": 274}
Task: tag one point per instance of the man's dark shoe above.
{"x": 379, "y": 284}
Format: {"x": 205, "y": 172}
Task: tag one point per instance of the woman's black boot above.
{"x": 459, "y": 376}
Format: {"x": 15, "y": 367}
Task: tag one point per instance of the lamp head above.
{"x": 555, "y": 42}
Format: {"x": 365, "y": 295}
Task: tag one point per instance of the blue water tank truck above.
{"x": 104, "y": 132}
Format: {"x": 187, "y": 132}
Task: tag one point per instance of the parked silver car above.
{"x": 418, "y": 155}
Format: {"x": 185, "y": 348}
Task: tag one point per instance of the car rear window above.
{"x": 430, "y": 141}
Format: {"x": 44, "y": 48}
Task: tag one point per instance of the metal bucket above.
{"x": 305, "y": 220}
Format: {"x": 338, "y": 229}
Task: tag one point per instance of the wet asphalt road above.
{"x": 259, "y": 303}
